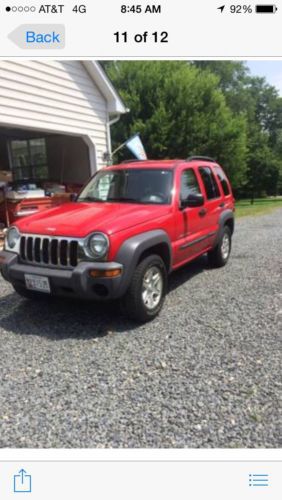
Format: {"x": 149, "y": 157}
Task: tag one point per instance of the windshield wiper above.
{"x": 123, "y": 198}
{"x": 91, "y": 198}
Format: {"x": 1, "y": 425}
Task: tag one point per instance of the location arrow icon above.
{"x": 221, "y": 8}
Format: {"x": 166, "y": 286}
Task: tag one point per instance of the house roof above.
{"x": 98, "y": 75}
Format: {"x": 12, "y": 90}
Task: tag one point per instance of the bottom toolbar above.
{"x": 128, "y": 480}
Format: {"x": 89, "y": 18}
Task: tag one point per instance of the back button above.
{"x": 39, "y": 36}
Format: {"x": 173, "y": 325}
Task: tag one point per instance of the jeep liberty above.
{"x": 129, "y": 228}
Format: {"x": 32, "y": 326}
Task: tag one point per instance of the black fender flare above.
{"x": 131, "y": 250}
{"x": 227, "y": 215}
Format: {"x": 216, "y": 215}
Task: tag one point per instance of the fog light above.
{"x": 105, "y": 273}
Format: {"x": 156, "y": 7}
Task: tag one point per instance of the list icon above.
{"x": 259, "y": 480}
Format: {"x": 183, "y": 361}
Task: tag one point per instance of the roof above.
{"x": 147, "y": 164}
{"x": 160, "y": 163}
{"x": 107, "y": 89}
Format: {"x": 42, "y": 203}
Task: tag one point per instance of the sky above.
{"x": 271, "y": 70}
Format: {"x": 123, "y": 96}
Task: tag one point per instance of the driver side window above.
{"x": 189, "y": 184}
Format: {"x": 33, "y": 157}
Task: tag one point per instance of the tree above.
{"x": 214, "y": 108}
{"x": 263, "y": 110}
{"x": 180, "y": 110}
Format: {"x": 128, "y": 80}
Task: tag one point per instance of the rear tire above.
{"x": 218, "y": 257}
{"x": 145, "y": 296}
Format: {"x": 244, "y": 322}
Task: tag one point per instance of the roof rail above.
{"x": 131, "y": 161}
{"x": 201, "y": 158}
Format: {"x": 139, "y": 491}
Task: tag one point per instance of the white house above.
{"x": 55, "y": 118}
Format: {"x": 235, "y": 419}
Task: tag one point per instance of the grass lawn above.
{"x": 260, "y": 206}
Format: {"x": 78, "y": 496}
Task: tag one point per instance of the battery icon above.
{"x": 266, "y": 9}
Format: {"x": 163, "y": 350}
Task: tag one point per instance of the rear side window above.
{"x": 211, "y": 187}
{"x": 189, "y": 184}
{"x": 223, "y": 180}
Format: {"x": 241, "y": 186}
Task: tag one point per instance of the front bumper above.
{"x": 76, "y": 282}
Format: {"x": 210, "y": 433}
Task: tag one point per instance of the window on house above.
{"x": 211, "y": 187}
{"x": 29, "y": 159}
{"x": 189, "y": 184}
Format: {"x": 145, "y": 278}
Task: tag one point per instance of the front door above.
{"x": 191, "y": 221}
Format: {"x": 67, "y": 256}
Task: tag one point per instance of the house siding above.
{"x": 53, "y": 96}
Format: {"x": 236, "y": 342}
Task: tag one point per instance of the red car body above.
{"x": 188, "y": 231}
{"x": 121, "y": 221}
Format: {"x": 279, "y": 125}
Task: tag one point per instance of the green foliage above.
{"x": 211, "y": 108}
{"x": 262, "y": 107}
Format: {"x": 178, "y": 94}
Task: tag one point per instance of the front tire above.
{"x": 145, "y": 296}
{"x": 218, "y": 257}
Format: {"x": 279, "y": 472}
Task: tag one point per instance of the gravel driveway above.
{"x": 206, "y": 373}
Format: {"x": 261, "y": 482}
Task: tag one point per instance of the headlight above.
{"x": 12, "y": 237}
{"x": 98, "y": 245}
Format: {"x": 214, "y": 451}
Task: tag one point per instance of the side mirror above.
{"x": 193, "y": 200}
{"x": 73, "y": 197}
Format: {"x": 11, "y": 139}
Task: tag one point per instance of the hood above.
{"x": 79, "y": 219}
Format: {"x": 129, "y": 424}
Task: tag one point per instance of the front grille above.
{"x": 60, "y": 252}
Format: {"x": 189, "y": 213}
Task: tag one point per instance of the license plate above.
{"x": 37, "y": 283}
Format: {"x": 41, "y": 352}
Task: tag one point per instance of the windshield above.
{"x": 152, "y": 186}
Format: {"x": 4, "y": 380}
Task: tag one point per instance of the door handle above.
{"x": 202, "y": 212}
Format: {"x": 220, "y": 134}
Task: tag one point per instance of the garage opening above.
{"x": 39, "y": 170}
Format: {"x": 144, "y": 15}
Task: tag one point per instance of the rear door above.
{"x": 225, "y": 187}
{"x": 214, "y": 202}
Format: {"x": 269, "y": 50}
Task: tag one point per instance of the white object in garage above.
{"x": 20, "y": 195}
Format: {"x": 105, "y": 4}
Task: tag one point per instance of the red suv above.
{"x": 131, "y": 225}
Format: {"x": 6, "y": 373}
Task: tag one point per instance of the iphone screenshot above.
{"x": 140, "y": 250}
